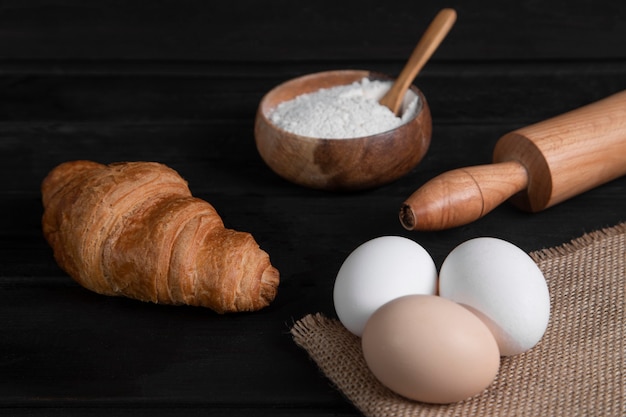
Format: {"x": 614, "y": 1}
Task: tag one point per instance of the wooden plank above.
{"x": 320, "y": 30}
{"x": 199, "y": 94}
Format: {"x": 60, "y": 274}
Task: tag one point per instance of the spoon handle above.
{"x": 432, "y": 38}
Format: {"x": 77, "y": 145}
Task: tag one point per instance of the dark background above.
{"x": 179, "y": 82}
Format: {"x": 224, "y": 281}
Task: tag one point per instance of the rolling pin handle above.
{"x": 463, "y": 195}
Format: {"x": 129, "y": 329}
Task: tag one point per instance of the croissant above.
{"x": 133, "y": 229}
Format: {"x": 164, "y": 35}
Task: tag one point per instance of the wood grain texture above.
{"x": 536, "y": 166}
{"x": 179, "y": 82}
{"x": 322, "y": 30}
{"x": 433, "y": 36}
{"x": 569, "y": 154}
{"x": 461, "y": 196}
{"x": 348, "y": 164}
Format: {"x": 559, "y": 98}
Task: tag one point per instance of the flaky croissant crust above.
{"x": 133, "y": 229}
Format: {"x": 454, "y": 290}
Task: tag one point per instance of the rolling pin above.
{"x": 534, "y": 167}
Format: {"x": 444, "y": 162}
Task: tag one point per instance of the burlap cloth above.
{"x": 577, "y": 369}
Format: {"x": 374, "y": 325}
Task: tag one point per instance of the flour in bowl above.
{"x": 342, "y": 112}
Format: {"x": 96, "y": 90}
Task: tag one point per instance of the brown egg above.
{"x": 430, "y": 349}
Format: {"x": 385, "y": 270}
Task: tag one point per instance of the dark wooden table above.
{"x": 179, "y": 82}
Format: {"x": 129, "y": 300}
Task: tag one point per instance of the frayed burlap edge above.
{"x": 577, "y": 369}
{"x": 579, "y": 243}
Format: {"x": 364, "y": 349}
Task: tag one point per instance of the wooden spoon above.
{"x": 432, "y": 38}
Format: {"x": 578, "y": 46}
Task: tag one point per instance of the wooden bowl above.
{"x": 340, "y": 164}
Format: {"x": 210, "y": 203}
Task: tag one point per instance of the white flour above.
{"x": 342, "y": 112}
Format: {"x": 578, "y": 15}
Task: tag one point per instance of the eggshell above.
{"x": 503, "y": 285}
{"x": 430, "y": 349}
{"x": 378, "y": 271}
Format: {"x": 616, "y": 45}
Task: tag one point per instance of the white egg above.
{"x": 501, "y": 284}
{"x": 379, "y": 271}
